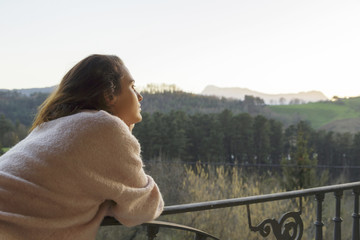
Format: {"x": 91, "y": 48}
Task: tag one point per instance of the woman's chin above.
{"x": 139, "y": 119}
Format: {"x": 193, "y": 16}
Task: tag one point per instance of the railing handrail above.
{"x": 282, "y": 228}
{"x": 208, "y": 205}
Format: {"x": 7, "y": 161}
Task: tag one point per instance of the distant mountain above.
{"x": 29, "y": 91}
{"x": 272, "y": 99}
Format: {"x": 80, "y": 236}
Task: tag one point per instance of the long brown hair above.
{"x": 85, "y": 87}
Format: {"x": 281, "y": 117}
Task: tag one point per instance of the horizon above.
{"x": 270, "y": 47}
{"x": 201, "y": 92}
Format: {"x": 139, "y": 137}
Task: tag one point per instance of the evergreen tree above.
{"x": 226, "y": 128}
{"x": 261, "y": 140}
{"x": 276, "y": 141}
{"x": 325, "y": 147}
{"x": 205, "y": 141}
{"x": 7, "y": 132}
{"x": 343, "y": 145}
{"x": 243, "y": 138}
{"x": 355, "y": 150}
{"x": 177, "y": 124}
{"x": 299, "y": 168}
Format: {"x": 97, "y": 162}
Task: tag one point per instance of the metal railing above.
{"x": 153, "y": 227}
{"x": 288, "y": 227}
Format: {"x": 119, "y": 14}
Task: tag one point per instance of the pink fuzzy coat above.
{"x": 60, "y": 181}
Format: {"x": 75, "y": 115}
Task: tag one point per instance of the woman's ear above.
{"x": 110, "y": 99}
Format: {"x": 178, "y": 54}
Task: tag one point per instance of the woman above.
{"x": 80, "y": 161}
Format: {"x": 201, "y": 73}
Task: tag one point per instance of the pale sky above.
{"x": 271, "y": 46}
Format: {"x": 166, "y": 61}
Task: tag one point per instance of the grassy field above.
{"x": 321, "y": 114}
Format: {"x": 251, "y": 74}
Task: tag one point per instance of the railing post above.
{"x": 318, "y": 223}
{"x": 356, "y": 215}
{"x": 337, "y": 219}
{"x": 200, "y": 237}
{"x": 152, "y": 230}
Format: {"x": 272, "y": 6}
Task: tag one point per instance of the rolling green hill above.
{"x": 341, "y": 115}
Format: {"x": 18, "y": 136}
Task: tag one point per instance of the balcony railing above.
{"x": 288, "y": 227}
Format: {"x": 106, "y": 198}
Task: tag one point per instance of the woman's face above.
{"x": 126, "y": 105}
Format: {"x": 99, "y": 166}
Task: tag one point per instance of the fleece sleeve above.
{"x": 112, "y": 169}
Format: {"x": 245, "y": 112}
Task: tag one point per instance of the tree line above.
{"x": 18, "y": 110}
{"x": 243, "y": 139}
{"x": 173, "y": 100}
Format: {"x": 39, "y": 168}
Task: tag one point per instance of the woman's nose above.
{"x": 140, "y": 98}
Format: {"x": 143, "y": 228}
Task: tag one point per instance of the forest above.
{"x": 201, "y": 148}
{"x": 192, "y": 128}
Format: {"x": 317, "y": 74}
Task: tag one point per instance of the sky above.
{"x": 270, "y": 46}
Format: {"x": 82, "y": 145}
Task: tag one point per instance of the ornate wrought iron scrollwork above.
{"x": 289, "y": 227}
